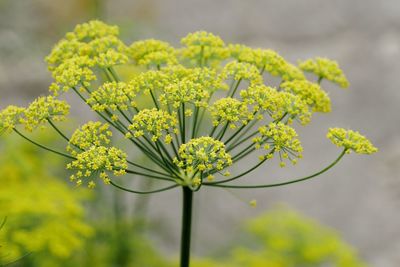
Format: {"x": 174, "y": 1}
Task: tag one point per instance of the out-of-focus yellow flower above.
{"x": 44, "y": 215}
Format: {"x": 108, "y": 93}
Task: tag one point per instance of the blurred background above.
{"x": 354, "y": 207}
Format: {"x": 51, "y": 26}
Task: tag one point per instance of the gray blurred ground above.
{"x": 360, "y": 197}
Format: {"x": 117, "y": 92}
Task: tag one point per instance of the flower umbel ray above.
{"x": 185, "y": 86}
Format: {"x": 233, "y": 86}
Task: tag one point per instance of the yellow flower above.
{"x": 153, "y": 122}
{"x": 351, "y": 140}
{"x": 203, "y": 49}
{"x": 152, "y": 53}
{"x": 43, "y": 109}
{"x": 280, "y": 138}
{"x": 276, "y": 104}
{"x": 97, "y": 161}
{"x": 88, "y": 135}
{"x": 266, "y": 59}
{"x": 203, "y": 154}
{"x": 325, "y": 68}
{"x": 113, "y": 95}
{"x": 311, "y": 93}
{"x": 73, "y": 72}
{"x": 230, "y": 110}
{"x": 10, "y": 117}
{"x": 243, "y": 71}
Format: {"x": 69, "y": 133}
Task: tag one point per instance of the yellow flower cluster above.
{"x": 152, "y": 53}
{"x": 276, "y": 104}
{"x": 325, "y": 68}
{"x": 203, "y": 154}
{"x": 190, "y": 86}
{"x": 155, "y": 123}
{"x": 181, "y": 84}
{"x": 266, "y": 59}
{"x": 92, "y": 30}
{"x": 72, "y": 73}
{"x": 113, "y": 95}
{"x": 98, "y": 160}
{"x": 149, "y": 81}
{"x": 43, "y": 109}
{"x": 311, "y": 93}
{"x": 203, "y": 49}
{"x": 280, "y": 138}
{"x": 90, "y": 44}
{"x": 94, "y": 39}
{"x": 10, "y": 117}
{"x": 230, "y": 110}
{"x": 351, "y": 140}
{"x": 88, "y": 135}
{"x": 243, "y": 71}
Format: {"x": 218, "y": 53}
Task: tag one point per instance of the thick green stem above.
{"x": 186, "y": 226}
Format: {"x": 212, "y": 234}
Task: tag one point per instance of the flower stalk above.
{"x": 186, "y": 227}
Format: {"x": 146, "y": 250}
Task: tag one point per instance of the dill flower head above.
{"x": 188, "y": 109}
{"x": 94, "y": 39}
{"x": 113, "y": 95}
{"x": 152, "y": 53}
{"x": 231, "y": 111}
{"x": 43, "y": 109}
{"x": 203, "y": 48}
{"x": 309, "y": 92}
{"x": 277, "y": 105}
{"x": 92, "y": 30}
{"x": 153, "y": 122}
{"x": 97, "y": 162}
{"x": 149, "y": 81}
{"x": 88, "y": 135}
{"x": 72, "y": 73}
{"x": 10, "y": 117}
{"x": 351, "y": 140}
{"x": 325, "y": 68}
{"x": 266, "y": 59}
{"x": 243, "y": 71}
{"x": 203, "y": 155}
{"x": 189, "y": 86}
{"x": 281, "y": 138}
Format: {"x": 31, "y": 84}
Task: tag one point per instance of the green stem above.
{"x": 143, "y": 192}
{"x": 235, "y": 89}
{"x": 183, "y": 124}
{"x": 114, "y": 74}
{"x": 147, "y": 169}
{"x": 58, "y": 130}
{"x": 42, "y": 146}
{"x": 284, "y": 183}
{"x": 165, "y": 178}
{"x": 186, "y": 226}
{"x": 195, "y": 117}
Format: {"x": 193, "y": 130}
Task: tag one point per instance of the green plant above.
{"x": 186, "y": 86}
{"x": 285, "y": 238}
{"x": 45, "y": 215}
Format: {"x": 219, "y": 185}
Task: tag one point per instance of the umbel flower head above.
{"x": 351, "y": 141}
{"x": 10, "y": 117}
{"x": 43, "y": 109}
{"x": 193, "y": 111}
{"x": 325, "y": 68}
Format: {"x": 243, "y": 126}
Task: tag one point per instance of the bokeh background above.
{"x": 360, "y": 198}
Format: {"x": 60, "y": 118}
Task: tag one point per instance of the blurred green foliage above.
{"x": 45, "y": 216}
{"x": 284, "y": 238}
